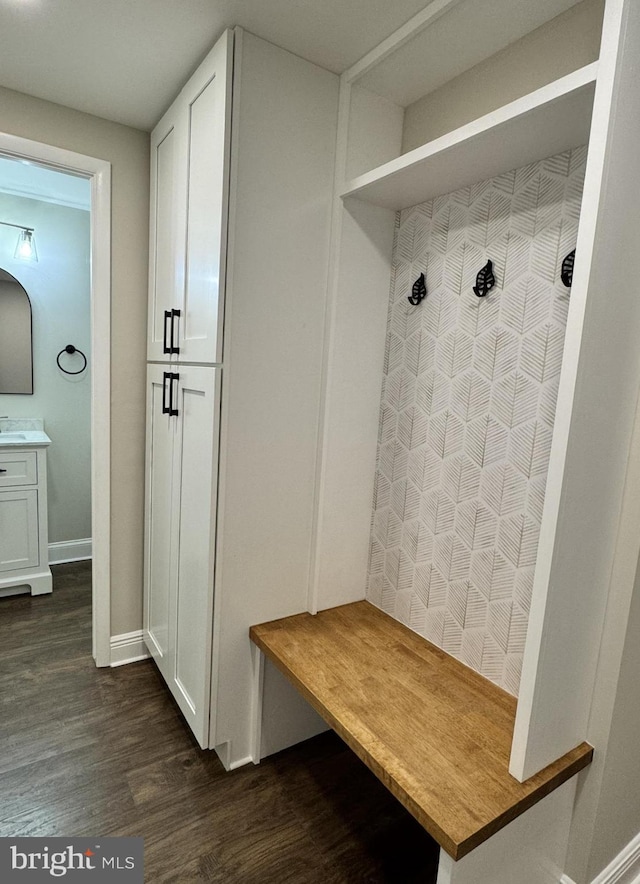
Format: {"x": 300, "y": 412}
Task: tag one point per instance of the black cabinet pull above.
{"x": 165, "y": 346}
{"x": 174, "y": 348}
{"x": 166, "y": 376}
{"x": 168, "y": 407}
{"x": 4, "y": 471}
{"x": 173, "y": 411}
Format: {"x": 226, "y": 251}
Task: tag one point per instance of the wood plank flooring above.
{"x": 436, "y": 733}
{"x": 105, "y": 752}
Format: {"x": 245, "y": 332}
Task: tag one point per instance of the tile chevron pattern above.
{"x": 468, "y": 404}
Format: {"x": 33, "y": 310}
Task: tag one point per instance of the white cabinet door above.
{"x": 181, "y": 487}
{"x": 18, "y": 530}
{"x": 166, "y": 243}
{"x": 208, "y": 109}
{"x": 195, "y": 474}
{"x": 189, "y": 202}
{"x": 159, "y": 465}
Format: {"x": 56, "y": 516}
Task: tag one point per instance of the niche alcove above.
{"x": 410, "y": 143}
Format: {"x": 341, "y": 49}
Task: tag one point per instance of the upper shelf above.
{"x": 444, "y": 39}
{"x": 545, "y": 122}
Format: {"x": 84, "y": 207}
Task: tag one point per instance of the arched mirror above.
{"x": 16, "y": 357}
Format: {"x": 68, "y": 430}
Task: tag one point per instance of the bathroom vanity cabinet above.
{"x": 24, "y": 551}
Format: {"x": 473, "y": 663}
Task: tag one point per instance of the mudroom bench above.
{"x": 436, "y": 734}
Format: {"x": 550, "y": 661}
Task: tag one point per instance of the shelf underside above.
{"x": 547, "y": 122}
{"x": 437, "y": 734}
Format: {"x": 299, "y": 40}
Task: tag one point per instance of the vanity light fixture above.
{"x": 26, "y": 245}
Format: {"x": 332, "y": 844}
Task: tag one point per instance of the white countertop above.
{"x": 24, "y": 439}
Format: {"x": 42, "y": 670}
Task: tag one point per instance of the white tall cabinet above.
{"x": 241, "y": 179}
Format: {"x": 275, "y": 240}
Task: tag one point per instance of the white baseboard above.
{"x": 223, "y": 751}
{"x": 241, "y": 762}
{"x": 624, "y": 869}
{"x": 128, "y": 648}
{"x": 69, "y": 551}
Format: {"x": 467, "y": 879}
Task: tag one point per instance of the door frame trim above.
{"x": 99, "y": 173}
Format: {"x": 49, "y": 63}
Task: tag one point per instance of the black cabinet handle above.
{"x": 168, "y": 345}
{"x": 166, "y": 376}
{"x": 4, "y": 471}
{"x": 173, "y": 411}
{"x": 167, "y": 392}
{"x": 165, "y": 346}
{"x": 174, "y": 348}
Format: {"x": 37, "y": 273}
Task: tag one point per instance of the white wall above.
{"x": 58, "y": 285}
{"x": 128, "y": 152}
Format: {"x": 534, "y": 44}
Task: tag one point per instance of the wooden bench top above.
{"x": 437, "y": 734}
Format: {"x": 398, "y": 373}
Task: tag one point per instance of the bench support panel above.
{"x": 530, "y": 850}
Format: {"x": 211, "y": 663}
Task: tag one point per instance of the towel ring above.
{"x": 71, "y": 349}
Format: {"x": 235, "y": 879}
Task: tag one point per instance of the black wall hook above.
{"x": 71, "y": 350}
{"x": 418, "y": 291}
{"x": 566, "y": 273}
{"x": 485, "y": 280}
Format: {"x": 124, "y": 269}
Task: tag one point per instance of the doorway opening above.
{"x": 63, "y": 200}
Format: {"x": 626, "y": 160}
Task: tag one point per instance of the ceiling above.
{"x": 26, "y": 179}
{"x": 125, "y": 60}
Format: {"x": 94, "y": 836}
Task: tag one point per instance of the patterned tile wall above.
{"x": 468, "y": 404}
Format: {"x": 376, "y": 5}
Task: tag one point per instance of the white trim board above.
{"x": 623, "y": 869}
{"x": 99, "y": 174}
{"x": 129, "y": 647}
{"x": 70, "y": 551}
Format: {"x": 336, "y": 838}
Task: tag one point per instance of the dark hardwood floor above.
{"x": 89, "y": 751}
